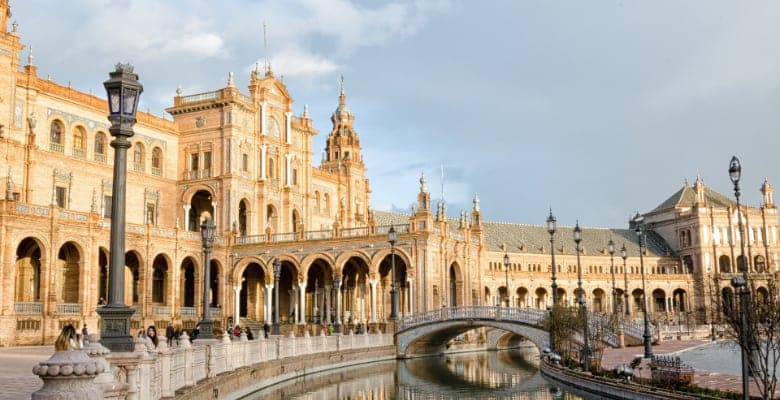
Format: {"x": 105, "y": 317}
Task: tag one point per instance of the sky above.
{"x": 595, "y": 109}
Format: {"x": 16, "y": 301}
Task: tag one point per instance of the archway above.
{"x": 455, "y": 285}
{"x": 103, "y": 280}
{"x": 354, "y": 290}
{"x": 503, "y": 296}
{"x": 201, "y": 207}
{"x": 562, "y": 296}
{"x": 724, "y": 263}
{"x": 296, "y": 221}
{"x": 214, "y": 285}
{"x": 598, "y": 300}
{"x": 385, "y": 284}
{"x": 243, "y": 206}
{"x": 762, "y": 295}
{"x": 679, "y": 300}
{"x": 132, "y": 277}
{"x": 742, "y": 264}
{"x": 659, "y": 300}
{"x": 271, "y": 218}
{"x": 251, "y": 303}
{"x": 541, "y": 298}
{"x": 637, "y": 294}
{"x": 160, "y": 280}
{"x": 187, "y": 283}
{"x": 619, "y": 300}
{"x": 318, "y": 300}
{"x": 487, "y": 295}
{"x": 288, "y": 289}
{"x": 759, "y": 264}
{"x": 522, "y": 297}
{"x": 28, "y": 271}
{"x": 67, "y": 271}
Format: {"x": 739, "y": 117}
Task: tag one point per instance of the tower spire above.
{"x": 342, "y": 91}
{"x": 265, "y": 50}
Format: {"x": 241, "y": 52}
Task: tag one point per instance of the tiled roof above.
{"x": 536, "y": 239}
{"x": 685, "y": 197}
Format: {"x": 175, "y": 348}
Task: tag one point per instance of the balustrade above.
{"x": 188, "y": 311}
{"x": 69, "y": 308}
{"x": 28, "y": 307}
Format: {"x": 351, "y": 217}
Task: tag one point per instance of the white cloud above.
{"x": 295, "y": 63}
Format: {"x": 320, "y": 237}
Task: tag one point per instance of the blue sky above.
{"x": 595, "y": 109}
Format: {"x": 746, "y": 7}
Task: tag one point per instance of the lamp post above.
{"x": 207, "y": 229}
{"x": 581, "y": 301}
{"x": 740, "y": 284}
{"x": 123, "y": 91}
{"x": 277, "y": 269}
{"x": 551, "y": 229}
{"x": 392, "y": 239}
{"x": 506, "y": 276}
{"x": 646, "y": 335}
{"x": 624, "y": 255}
{"x": 611, "y": 249}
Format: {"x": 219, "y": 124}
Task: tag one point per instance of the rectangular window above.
{"x": 150, "y": 213}
{"x": 295, "y": 177}
{"x": 193, "y": 162}
{"x": 206, "y": 160}
{"x": 245, "y": 162}
{"x": 61, "y": 196}
{"x": 107, "y": 206}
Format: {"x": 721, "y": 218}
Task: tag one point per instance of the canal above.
{"x": 507, "y": 374}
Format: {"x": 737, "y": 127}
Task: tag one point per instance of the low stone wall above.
{"x": 605, "y": 388}
{"x": 246, "y": 380}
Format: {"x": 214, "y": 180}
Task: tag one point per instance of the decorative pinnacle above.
{"x": 305, "y": 111}
{"x": 476, "y": 201}
{"x": 30, "y": 57}
{"x": 423, "y": 183}
{"x": 230, "y": 81}
{"x": 126, "y": 67}
{"x": 179, "y": 90}
{"x": 342, "y": 92}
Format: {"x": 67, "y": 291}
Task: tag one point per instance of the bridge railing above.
{"x": 530, "y": 316}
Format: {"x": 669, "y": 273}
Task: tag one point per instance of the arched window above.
{"x": 79, "y": 134}
{"x": 100, "y": 147}
{"x": 56, "y": 139}
{"x": 316, "y": 201}
{"x": 271, "y": 169}
{"x": 759, "y": 264}
{"x": 138, "y": 157}
{"x": 724, "y": 262}
{"x": 326, "y": 206}
{"x": 157, "y": 161}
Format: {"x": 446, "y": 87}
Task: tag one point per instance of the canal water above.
{"x": 507, "y": 374}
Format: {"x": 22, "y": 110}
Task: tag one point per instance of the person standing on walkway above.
{"x": 170, "y": 332}
{"x": 266, "y": 328}
{"x": 67, "y": 339}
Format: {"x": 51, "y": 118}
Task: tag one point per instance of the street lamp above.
{"x": 645, "y": 336}
{"x": 551, "y": 230}
{"x": 624, "y": 255}
{"x": 611, "y": 249}
{"x": 392, "y": 238}
{"x": 740, "y": 284}
{"x": 581, "y": 301}
{"x": 506, "y": 271}
{"x": 277, "y": 269}
{"x": 207, "y": 229}
{"x": 123, "y": 91}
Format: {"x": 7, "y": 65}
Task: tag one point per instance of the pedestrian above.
{"x": 170, "y": 332}
{"x": 330, "y": 329}
{"x": 67, "y": 339}
{"x": 237, "y": 331}
{"x": 249, "y": 334}
{"x": 266, "y": 329}
{"x": 151, "y": 334}
{"x": 195, "y": 332}
{"x": 85, "y": 333}
{"x": 102, "y": 302}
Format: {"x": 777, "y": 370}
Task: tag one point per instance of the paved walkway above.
{"x": 16, "y": 377}
{"x": 702, "y": 378}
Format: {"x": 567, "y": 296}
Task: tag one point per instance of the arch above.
{"x": 381, "y": 257}
{"x": 522, "y": 296}
{"x": 385, "y": 274}
{"x": 243, "y": 264}
{"x": 201, "y": 208}
{"x": 486, "y": 294}
{"x": 296, "y": 221}
{"x": 27, "y": 287}
{"x": 56, "y": 132}
{"x": 562, "y": 296}
{"x": 326, "y": 204}
{"x": 599, "y": 303}
{"x": 659, "y": 300}
{"x": 214, "y": 285}
{"x": 456, "y": 285}
{"x": 271, "y": 218}
{"x": 724, "y": 264}
{"x": 288, "y": 286}
{"x": 679, "y": 300}
{"x": 759, "y": 264}
{"x": 742, "y": 263}
{"x": 133, "y": 268}
{"x": 253, "y": 293}
{"x": 271, "y": 167}
{"x": 188, "y": 274}
{"x": 157, "y": 161}
{"x": 762, "y": 295}
{"x": 103, "y": 279}
{"x": 243, "y": 209}
{"x": 540, "y": 299}
{"x": 637, "y": 294}
{"x": 311, "y": 258}
{"x": 729, "y": 303}
{"x": 79, "y": 141}
{"x": 160, "y": 279}
{"x": 319, "y": 275}
{"x": 355, "y": 291}
{"x": 619, "y": 300}
{"x": 100, "y": 146}
{"x": 317, "y": 199}
{"x": 68, "y": 271}
{"x": 190, "y": 192}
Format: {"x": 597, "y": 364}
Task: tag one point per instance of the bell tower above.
{"x": 343, "y": 145}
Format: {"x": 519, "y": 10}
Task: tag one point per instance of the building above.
{"x": 246, "y": 161}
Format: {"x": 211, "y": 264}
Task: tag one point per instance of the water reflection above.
{"x": 483, "y": 375}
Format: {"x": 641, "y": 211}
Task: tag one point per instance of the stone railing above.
{"x": 161, "y": 310}
{"x": 636, "y": 329}
{"x": 188, "y": 312}
{"x": 28, "y": 307}
{"x": 194, "y": 98}
{"x": 69, "y": 308}
{"x": 530, "y": 316}
{"x": 188, "y": 364}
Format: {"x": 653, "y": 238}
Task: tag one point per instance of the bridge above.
{"x": 430, "y": 331}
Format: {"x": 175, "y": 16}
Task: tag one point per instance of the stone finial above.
{"x": 68, "y": 374}
{"x": 14, "y": 27}
{"x": 423, "y": 183}
{"x": 124, "y": 67}
{"x": 184, "y": 341}
{"x": 225, "y": 339}
{"x": 179, "y": 91}
{"x": 30, "y": 57}
{"x": 230, "y": 81}
{"x": 476, "y": 202}
{"x": 305, "y": 111}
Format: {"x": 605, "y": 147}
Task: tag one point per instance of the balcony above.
{"x": 59, "y": 148}
{"x": 79, "y": 153}
{"x": 69, "y": 308}
{"x": 188, "y": 312}
{"x": 215, "y": 312}
{"x": 28, "y": 307}
{"x": 252, "y": 239}
{"x": 156, "y": 171}
{"x": 138, "y": 167}
{"x": 101, "y": 158}
{"x": 161, "y": 310}
{"x": 197, "y": 174}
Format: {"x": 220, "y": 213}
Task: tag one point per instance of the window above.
{"x": 78, "y": 141}
{"x": 245, "y": 162}
{"x": 193, "y": 162}
{"x": 60, "y": 196}
{"x": 106, "y": 206}
{"x": 150, "y": 213}
{"x": 56, "y": 136}
{"x": 138, "y": 158}
{"x": 295, "y": 177}
{"x": 207, "y": 160}
{"x": 100, "y": 147}
{"x": 157, "y": 161}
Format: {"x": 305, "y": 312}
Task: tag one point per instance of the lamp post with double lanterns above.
{"x": 740, "y": 284}
{"x": 581, "y": 301}
{"x": 506, "y": 276}
{"x": 551, "y": 225}
{"x": 611, "y": 249}
{"x": 646, "y": 335}
{"x": 123, "y": 91}
{"x": 392, "y": 238}
{"x": 277, "y": 269}
{"x": 207, "y": 229}
{"x": 624, "y": 256}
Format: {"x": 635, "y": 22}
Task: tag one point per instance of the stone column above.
{"x": 267, "y": 300}
{"x": 237, "y": 307}
{"x": 302, "y": 303}
{"x": 326, "y": 300}
{"x": 410, "y": 285}
{"x": 263, "y": 162}
{"x": 372, "y": 285}
{"x": 187, "y": 217}
{"x": 216, "y": 213}
{"x": 336, "y": 288}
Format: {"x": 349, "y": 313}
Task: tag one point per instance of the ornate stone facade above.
{"x": 245, "y": 160}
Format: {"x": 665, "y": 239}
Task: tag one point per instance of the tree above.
{"x": 563, "y": 322}
{"x": 762, "y": 333}
{"x": 601, "y": 327}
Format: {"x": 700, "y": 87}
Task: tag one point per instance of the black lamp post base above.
{"x": 206, "y": 329}
{"x": 115, "y": 328}
{"x": 393, "y": 305}
{"x": 276, "y": 329}
{"x": 648, "y": 346}
{"x": 337, "y": 327}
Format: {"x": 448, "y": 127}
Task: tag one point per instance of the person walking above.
{"x": 151, "y": 334}
{"x": 170, "y": 332}
{"x": 67, "y": 339}
{"x": 266, "y": 328}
